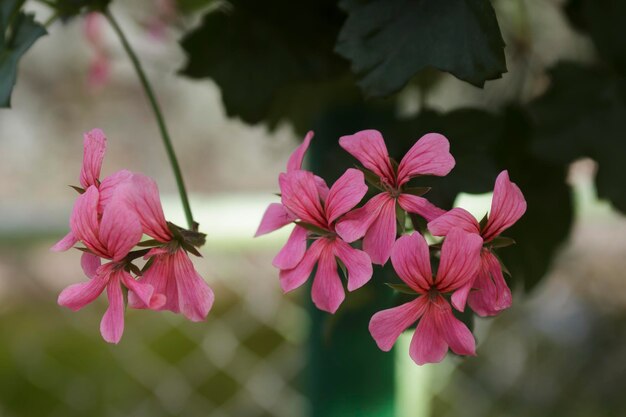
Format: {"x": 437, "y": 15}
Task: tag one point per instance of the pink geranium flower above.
{"x": 376, "y": 220}
{"x": 489, "y": 293}
{"x": 437, "y": 329}
{"x": 316, "y": 215}
{"x": 171, "y": 272}
{"x": 110, "y": 236}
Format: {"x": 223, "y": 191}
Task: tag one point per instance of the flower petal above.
{"x": 429, "y": 156}
{"x": 368, "y": 146}
{"x": 293, "y": 278}
{"x": 427, "y": 344}
{"x": 420, "y": 205}
{"x": 460, "y": 260}
{"x": 274, "y": 218}
{"x": 327, "y": 291}
{"x": 354, "y": 225}
{"x": 120, "y": 229}
{"x": 68, "y": 241}
{"x": 507, "y": 206}
{"x": 296, "y": 158}
{"x": 84, "y": 221}
{"x": 195, "y": 297}
{"x": 143, "y": 291}
{"x": 94, "y": 144}
{"x": 77, "y": 296}
{"x": 381, "y": 235}
{"x": 452, "y": 330}
{"x": 160, "y": 275}
{"x": 459, "y": 297}
{"x": 358, "y": 264}
{"x": 90, "y": 264}
{"x": 110, "y": 185}
{"x": 457, "y": 217}
{"x": 387, "y": 325}
{"x": 143, "y": 197}
{"x": 300, "y": 196}
{"x": 112, "y": 324}
{"x": 491, "y": 294}
{"x": 345, "y": 193}
{"x": 410, "y": 258}
{"x": 293, "y": 251}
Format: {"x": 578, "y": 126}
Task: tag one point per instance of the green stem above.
{"x": 169, "y": 149}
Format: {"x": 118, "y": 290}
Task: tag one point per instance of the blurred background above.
{"x": 558, "y": 351}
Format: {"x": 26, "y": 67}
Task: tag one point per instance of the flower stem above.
{"x": 169, "y": 149}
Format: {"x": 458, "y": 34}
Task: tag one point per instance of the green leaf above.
{"x": 401, "y": 288}
{"x": 390, "y": 41}
{"x": 68, "y": 9}
{"x": 583, "y": 114}
{"x": 149, "y": 243}
{"x": 18, "y": 32}
{"x": 400, "y": 218}
{"x": 255, "y": 51}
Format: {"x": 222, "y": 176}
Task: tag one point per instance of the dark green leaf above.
{"x": 18, "y": 32}
{"x": 400, "y": 218}
{"x": 389, "y": 41}
{"x": 256, "y": 50}
{"x": 67, "y": 9}
{"x": 149, "y": 243}
{"x": 401, "y": 288}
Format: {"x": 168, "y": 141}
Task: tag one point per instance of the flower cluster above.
{"x": 110, "y": 218}
{"x": 330, "y": 232}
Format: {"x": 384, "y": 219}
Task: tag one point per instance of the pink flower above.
{"x": 110, "y": 236}
{"x": 437, "y": 329}
{"x": 94, "y": 144}
{"x": 316, "y": 215}
{"x": 171, "y": 272}
{"x": 99, "y": 68}
{"x": 376, "y": 220}
{"x": 490, "y": 293}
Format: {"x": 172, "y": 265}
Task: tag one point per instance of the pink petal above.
{"x": 410, "y": 258}
{"x": 327, "y": 290}
{"x": 345, "y": 193}
{"x": 507, "y": 206}
{"x": 293, "y": 278}
{"x": 293, "y": 251}
{"x": 354, "y": 225}
{"x": 358, "y": 264}
{"x": 143, "y": 197}
{"x": 387, "y": 325}
{"x": 457, "y": 217}
{"x": 381, "y": 235}
{"x": 459, "y": 297}
{"x": 112, "y": 324}
{"x": 322, "y": 187}
{"x": 120, "y": 229}
{"x": 491, "y": 294}
{"x": 68, "y": 241}
{"x": 110, "y": 185}
{"x": 160, "y": 275}
{"x": 296, "y": 158}
{"x": 84, "y": 221}
{"x": 94, "y": 144}
{"x": 427, "y": 344}
{"x": 274, "y": 218}
{"x": 195, "y": 297}
{"x": 429, "y": 156}
{"x": 452, "y": 330}
{"x": 368, "y": 146}
{"x": 90, "y": 264}
{"x": 300, "y": 196}
{"x": 420, "y": 205}
{"x": 143, "y": 292}
{"x": 460, "y": 260}
{"x": 77, "y": 296}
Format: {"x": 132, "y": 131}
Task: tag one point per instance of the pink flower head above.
{"x": 275, "y": 215}
{"x": 316, "y": 215}
{"x": 437, "y": 329}
{"x": 489, "y": 294}
{"x": 171, "y": 272}
{"x": 376, "y": 220}
{"x": 111, "y": 236}
{"x": 94, "y": 144}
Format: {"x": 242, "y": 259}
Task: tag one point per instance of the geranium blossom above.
{"x": 376, "y": 220}
{"x": 488, "y": 294}
{"x": 303, "y": 201}
{"x": 437, "y": 329}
